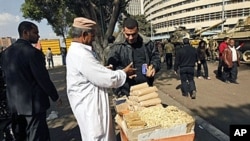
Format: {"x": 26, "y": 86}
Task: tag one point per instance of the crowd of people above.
{"x": 130, "y": 59}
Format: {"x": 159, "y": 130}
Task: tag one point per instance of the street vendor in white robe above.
{"x": 87, "y": 81}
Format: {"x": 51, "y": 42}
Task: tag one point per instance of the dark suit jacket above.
{"x": 28, "y": 83}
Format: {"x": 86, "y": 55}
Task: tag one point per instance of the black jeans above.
{"x": 204, "y": 64}
{"x": 169, "y": 60}
{"x": 50, "y": 62}
{"x": 31, "y": 128}
{"x": 187, "y": 80}
{"x": 230, "y": 74}
{"x": 219, "y": 69}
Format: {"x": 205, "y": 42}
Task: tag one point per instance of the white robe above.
{"x": 87, "y": 81}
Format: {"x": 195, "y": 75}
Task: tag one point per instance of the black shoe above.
{"x": 235, "y": 82}
{"x": 218, "y": 75}
{"x": 193, "y": 94}
{"x": 185, "y": 94}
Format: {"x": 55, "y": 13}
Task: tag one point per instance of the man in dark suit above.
{"x": 28, "y": 85}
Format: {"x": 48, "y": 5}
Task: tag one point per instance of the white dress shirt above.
{"x": 234, "y": 53}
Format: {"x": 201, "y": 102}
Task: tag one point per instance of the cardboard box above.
{"x": 185, "y": 137}
{"x": 177, "y": 133}
{"x": 145, "y": 133}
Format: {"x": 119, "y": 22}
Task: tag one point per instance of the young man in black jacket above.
{"x": 185, "y": 60}
{"x": 131, "y": 46}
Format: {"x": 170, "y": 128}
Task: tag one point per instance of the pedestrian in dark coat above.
{"x": 202, "y": 61}
{"x": 28, "y": 85}
{"x": 185, "y": 60}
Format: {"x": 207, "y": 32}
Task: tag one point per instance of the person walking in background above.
{"x": 222, "y": 46}
{"x": 160, "y": 48}
{"x": 213, "y": 46}
{"x": 49, "y": 57}
{"x": 169, "y": 49}
{"x": 231, "y": 61}
{"x": 201, "y": 53}
{"x": 63, "y": 54}
{"x": 185, "y": 60}
{"x": 87, "y": 83}
{"x": 130, "y": 46}
{"x": 28, "y": 85}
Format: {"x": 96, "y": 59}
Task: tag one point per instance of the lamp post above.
{"x": 151, "y": 27}
{"x": 223, "y": 15}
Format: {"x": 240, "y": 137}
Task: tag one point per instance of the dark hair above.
{"x": 225, "y": 38}
{"x": 111, "y": 39}
{"x": 202, "y": 42}
{"x": 185, "y": 41}
{"x": 130, "y": 23}
{"x": 25, "y": 25}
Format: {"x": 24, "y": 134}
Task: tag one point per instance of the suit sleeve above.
{"x": 40, "y": 73}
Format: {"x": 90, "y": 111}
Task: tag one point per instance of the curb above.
{"x": 218, "y": 134}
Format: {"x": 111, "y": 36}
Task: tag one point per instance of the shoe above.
{"x": 185, "y": 94}
{"x": 226, "y": 81}
{"x": 218, "y": 76}
{"x": 208, "y": 78}
{"x": 199, "y": 77}
{"x": 235, "y": 82}
{"x": 193, "y": 94}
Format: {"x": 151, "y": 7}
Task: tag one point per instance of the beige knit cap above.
{"x": 85, "y": 23}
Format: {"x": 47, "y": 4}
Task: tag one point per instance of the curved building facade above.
{"x": 166, "y": 15}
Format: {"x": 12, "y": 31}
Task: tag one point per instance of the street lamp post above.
{"x": 151, "y": 27}
{"x": 223, "y": 15}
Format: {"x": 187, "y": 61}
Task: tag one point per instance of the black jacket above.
{"x": 121, "y": 55}
{"x": 185, "y": 57}
{"x": 28, "y": 83}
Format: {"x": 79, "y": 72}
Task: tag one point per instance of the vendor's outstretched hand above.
{"x": 130, "y": 71}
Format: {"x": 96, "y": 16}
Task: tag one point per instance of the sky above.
{"x": 11, "y": 16}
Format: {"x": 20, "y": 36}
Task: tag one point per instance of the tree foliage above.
{"x": 60, "y": 15}
{"x": 144, "y": 25}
